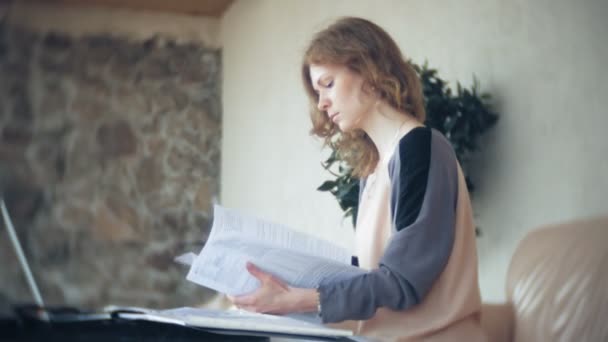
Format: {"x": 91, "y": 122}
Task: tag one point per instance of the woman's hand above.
{"x": 274, "y": 296}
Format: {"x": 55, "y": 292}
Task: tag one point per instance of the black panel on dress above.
{"x": 415, "y": 156}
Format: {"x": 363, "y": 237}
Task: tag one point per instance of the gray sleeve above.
{"x": 416, "y": 254}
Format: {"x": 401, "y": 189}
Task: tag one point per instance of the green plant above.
{"x": 462, "y": 116}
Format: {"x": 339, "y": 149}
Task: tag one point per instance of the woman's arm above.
{"x": 413, "y": 259}
{"x": 424, "y": 176}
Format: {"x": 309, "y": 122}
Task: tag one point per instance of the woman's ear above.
{"x": 368, "y": 88}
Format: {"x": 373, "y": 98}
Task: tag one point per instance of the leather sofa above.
{"x": 557, "y": 287}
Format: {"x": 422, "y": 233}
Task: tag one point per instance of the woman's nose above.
{"x": 323, "y": 103}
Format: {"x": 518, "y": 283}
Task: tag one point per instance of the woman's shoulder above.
{"x": 416, "y": 135}
{"x": 421, "y": 144}
{"x": 412, "y": 144}
{"x": 422, "y": 135}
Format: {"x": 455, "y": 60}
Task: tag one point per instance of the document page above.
{"x": 295, "y": 258}
{"x": 238, "y": 320}
{"x": 230, "y": 223}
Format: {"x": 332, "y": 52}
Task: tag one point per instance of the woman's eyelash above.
{"x": 330, "y": 84}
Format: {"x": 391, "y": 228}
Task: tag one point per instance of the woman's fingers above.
{"x": 265, "y": 299}
{"x": 264, "y": 277}
{"x": 258, "y": 273}
{"x": 245, "y": 300}
{"x": 280, "y": 284}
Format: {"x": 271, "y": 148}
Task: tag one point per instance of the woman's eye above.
{"x": 330, "y": 84}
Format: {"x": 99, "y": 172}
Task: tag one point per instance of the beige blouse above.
{"x": 450, "y": 310}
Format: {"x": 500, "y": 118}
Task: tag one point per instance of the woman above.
{"x": 415, "y": 233}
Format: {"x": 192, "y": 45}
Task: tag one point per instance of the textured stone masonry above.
{"x": 111, "y": 152}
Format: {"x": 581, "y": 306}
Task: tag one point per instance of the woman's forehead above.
{"x": 319, "y": 70}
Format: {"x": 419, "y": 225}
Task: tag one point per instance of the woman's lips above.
{"x": 333, "y": 116}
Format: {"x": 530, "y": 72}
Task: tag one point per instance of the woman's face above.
{"x": 341, "y": 95}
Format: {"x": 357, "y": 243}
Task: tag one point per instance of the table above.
{"x": 13, "y": 329}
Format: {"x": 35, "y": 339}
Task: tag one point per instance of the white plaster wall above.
{"x": 544, "y": 62}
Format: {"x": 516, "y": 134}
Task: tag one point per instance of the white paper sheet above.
{"x": 235, "y": 320}
{"x": 296, "y": 258}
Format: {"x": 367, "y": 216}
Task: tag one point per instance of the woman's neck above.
{"x": 385, "y": 125}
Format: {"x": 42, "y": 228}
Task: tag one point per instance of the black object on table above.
{"x": 27, "y": 326}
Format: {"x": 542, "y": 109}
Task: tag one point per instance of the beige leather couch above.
{"x": 557, "y": 287}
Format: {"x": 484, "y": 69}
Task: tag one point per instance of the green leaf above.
{"x": 327, "y": 185}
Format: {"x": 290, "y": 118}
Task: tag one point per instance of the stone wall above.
{"x": 109, "y": 160}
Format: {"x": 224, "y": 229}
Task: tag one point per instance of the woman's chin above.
{"x": 344, "y": 127}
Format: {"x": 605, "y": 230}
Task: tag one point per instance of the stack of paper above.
{"x": 230, "y": 321}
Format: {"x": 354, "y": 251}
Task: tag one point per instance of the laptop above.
{"x": 31, "y": 282}
{"x": 39, "y": 310}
